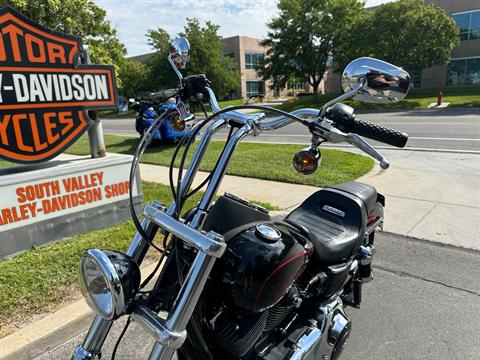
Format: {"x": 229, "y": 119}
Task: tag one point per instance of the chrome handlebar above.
{"x": 322, "y": 129}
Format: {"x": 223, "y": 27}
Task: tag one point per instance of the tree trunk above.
{"x": 315, "y": 91}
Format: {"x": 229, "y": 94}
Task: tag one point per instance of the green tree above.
{"x": 407, "y": 33}
{"x": 134, "y": 77}
{"x": 303, "y": 36}
{"x": 78, "y": 17}
{"x": 160, "y": 74}
{"x": 206, "y": 57}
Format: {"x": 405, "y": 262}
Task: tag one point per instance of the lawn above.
{"x": 255, "y": 160}
{"x": 44, "y": 278}
{"x": 415, "y": 100}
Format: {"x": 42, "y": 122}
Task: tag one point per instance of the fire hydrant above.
{"x": 439, "y": 98}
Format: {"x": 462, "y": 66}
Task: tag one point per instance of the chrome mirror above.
{"x": 179, "y": 52}
{"x": 376, "y": 81}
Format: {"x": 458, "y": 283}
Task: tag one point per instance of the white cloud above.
{"x": 133, "y": 18}
{"x": 377, "y": 2}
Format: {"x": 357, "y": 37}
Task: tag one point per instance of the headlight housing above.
{"x": 108, "y": 280}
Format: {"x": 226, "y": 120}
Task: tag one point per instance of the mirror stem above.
{"x": 349, "y": 94}
{"x": 179, "y": 74}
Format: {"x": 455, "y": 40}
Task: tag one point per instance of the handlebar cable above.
{"x": 144, "y": 142}
{"x": 209, "y": 177}
{"x": 117, "y": 343}
{"x": 180, "y": 199}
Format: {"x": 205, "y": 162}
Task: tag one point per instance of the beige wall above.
{"x": 437, "y": 76}
{"x": 453, "y": 6}
{"x": 239, "y": 45}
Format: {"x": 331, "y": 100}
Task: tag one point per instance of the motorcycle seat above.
{"x": 334, "y": 219}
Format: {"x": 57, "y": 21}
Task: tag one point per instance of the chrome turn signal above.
{"x": 108, "y": 281}
{"x": 306, "y": 161}
{"x": 178, "y": 124}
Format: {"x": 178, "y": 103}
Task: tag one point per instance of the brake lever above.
{"x": 363, "y": 145}
{"x": 325, "y": 130}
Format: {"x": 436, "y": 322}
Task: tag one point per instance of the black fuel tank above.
{"x": 262, "y": 263}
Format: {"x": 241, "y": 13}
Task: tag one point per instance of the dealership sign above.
{"x": 45, "y": 89}
{"x": 25, "y": 203}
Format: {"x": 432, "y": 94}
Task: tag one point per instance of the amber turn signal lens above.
{"x": 306, "y": 161}
{"x": 178, "y": 124}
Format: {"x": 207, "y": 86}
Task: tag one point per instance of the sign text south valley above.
{"x": 61, "y": 195}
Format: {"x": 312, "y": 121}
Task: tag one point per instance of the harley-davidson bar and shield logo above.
{"x": 45, "y": 90}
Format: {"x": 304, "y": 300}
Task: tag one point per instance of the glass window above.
{"x": 464, "y": 72}
{"x": 472, "y": 72}
{"x": 255, "y": 88}
{"x": 475, "y": 26}
{"x": 229, "y": 54}
{"x": 296, "y": 86}
{"x": 469, "y": 25}
{"x": 253, "y": 60}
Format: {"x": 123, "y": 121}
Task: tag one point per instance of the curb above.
{"x": 44, "y": 327}
{"x": 40, "y": 336}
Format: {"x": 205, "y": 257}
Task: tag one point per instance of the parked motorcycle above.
{"x": 150, "y": 107}
{"x": 233, "y": 282}
{"x": 173, "y": 103}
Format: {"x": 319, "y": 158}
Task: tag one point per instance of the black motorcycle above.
{"x": 233, "y": 282}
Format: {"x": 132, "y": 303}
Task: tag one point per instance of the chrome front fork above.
{"x": 170, "y": 333}
{"x": 96, "y": 335}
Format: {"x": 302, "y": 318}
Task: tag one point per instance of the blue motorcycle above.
{"x": 149, "y": 109}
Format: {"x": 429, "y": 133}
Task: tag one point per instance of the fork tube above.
{"x": 93, "y": 342}
{"x": 197, "y": 159}
{"x": 199, "y": 152}
{"x": 186, "y": 301}
{"x": 217, "y": 176}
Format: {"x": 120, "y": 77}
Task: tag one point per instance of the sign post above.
{"x": 48, "y": 89}
{"x": 95, "y": 132}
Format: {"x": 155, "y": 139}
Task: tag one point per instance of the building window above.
{"x": 296, "y": 86}
{"x": 464, "y": 72}
{"x": 255, "y": 88}
{"x": 253, "y": 60}
{"x": 229, "y": 54}
{"x": 469, "y": 24}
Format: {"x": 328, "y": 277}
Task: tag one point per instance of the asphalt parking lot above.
{"x": 423, "y": 304}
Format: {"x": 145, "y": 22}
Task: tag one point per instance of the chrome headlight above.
{"x": 108, "y": 281}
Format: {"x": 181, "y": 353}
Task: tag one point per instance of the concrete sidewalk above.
{"x": 429, "y": 195}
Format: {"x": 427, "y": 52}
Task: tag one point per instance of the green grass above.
{"x": 46, "y": 277}
{"x": 5, "y": 164}
{"x": 415, "y": 100}
{"x": 255, "y": 160}
{"x": 114, "y": 113}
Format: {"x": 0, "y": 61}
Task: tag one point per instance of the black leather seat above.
{"x": 335, "y": 219}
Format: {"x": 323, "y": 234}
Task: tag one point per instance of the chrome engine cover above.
{"x": 326, "y": 336}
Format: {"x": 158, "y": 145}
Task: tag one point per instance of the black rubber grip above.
{"x": 379, "y": 133}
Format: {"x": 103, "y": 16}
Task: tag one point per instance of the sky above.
{"x": 132, "y": 18}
